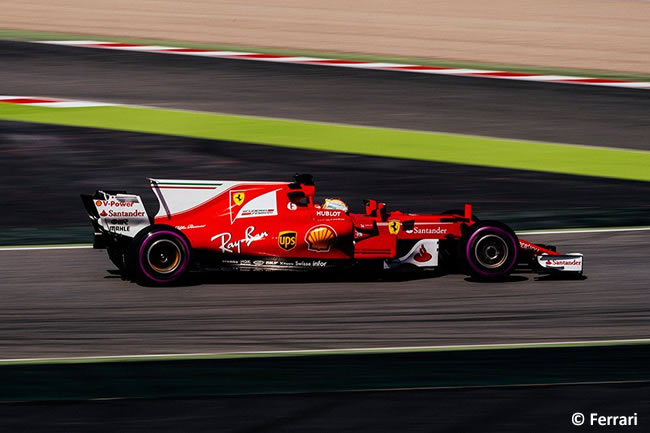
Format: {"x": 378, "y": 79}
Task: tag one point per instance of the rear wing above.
{"x": 115, "y": 214}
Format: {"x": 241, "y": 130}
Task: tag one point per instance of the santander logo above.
{"x": 571, "y": 262}
{"x": 422, "y": 255}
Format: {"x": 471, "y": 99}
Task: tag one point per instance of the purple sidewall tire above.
{"x": 507, "y": 236}
{"x": 185, "y": 259}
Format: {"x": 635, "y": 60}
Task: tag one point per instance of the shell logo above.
{"x": 320, "y": 238}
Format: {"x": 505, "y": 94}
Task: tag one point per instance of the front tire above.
{"x": 491, "y": 250}
{"x": 159, "y": 255}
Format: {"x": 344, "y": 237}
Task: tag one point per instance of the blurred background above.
{"x": 540, "y": 154}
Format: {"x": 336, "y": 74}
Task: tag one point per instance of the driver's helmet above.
{"x": 335, "y": 204}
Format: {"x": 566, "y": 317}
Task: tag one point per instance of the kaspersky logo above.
{"x": 287, "y": 240}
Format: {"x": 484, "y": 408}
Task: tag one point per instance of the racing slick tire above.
{"x": 159, "y": 255}
{"x": 491, "y": 250}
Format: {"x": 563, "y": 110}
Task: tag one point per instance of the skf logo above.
{"x": 320, "y": 238}
{"x": 287, "y": 240}
{"x": 394, "y": 226}
{"x": 238, "y": 198}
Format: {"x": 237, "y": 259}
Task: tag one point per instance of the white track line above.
{"x": 559, "y": 232}
{"x": 38, "y": 101}
{"x": 62, "y": 247}
{"x": 72, "y": 104}
{"x": 525, "y": 233}
{"x": 344, "y": 350}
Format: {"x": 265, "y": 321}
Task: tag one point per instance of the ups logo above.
{"x": 287, "y": 240}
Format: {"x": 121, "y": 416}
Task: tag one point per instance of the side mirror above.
{"x": 382, "y": 211}
{"x": 304, "y": 179}
{"x": 310, "y": 191}
{"x": 371, "y": 207}
{"x": 298, "y": 198}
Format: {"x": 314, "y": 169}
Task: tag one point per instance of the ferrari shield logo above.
{"x": 238, "y": 198}
{"x": 287, "y": 240}
{"x": 394, "y": 226}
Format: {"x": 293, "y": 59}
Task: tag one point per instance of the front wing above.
{"x": 544, "y": 259}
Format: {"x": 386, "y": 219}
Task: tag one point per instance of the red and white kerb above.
{"x": 421, "y": 69}
{"x": 50, "y": 102}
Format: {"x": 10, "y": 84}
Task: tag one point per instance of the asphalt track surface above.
{"x": 67, "y": 303}
{"x": 510, "y": 409}
{"x": 499, "y": 108}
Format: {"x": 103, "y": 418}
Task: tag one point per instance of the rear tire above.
{"x": 159, "y": 255}
{"x": 491, "y": 250}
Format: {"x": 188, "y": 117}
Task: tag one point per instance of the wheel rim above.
{"x": 491, "y": 251}
{"x": 164, "y": 256}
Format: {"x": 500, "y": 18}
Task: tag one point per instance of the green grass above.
{"x": 35, "y": 35}
{"x": 427, "y": 146}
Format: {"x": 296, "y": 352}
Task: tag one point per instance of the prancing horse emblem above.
{"x": 394, "y": 226}
{"x": 238, "y": 198}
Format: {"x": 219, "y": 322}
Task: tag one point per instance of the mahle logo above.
{"x": 238, "y": 198}
{"x": 287, "y": 240}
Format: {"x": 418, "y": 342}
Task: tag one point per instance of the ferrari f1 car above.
{"x": 216, "y": 225}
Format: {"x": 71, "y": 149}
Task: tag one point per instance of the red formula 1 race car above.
{"x": 205, "y": 225}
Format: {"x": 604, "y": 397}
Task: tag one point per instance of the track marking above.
{"x": 509, "y": 385}
{"x": 524, "y": 232}
{"x": 51, "y": 102}
{"x": 307, "y": 352}
{"x": 39, "y": 248}
{"x": 358, "y": 64}
{"x": 571, "y": 231}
